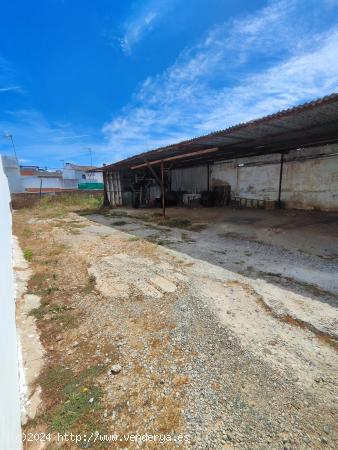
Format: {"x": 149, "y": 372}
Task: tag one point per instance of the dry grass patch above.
{"x": 73, "y": 310}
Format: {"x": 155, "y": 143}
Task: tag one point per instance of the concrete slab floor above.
{"x": 294, "y": 248}
{"x": 220, "y": 331}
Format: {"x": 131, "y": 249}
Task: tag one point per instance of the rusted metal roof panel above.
{"x": 309, "y": 124}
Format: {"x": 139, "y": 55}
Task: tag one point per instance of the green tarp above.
{"x": 90, "y": 186}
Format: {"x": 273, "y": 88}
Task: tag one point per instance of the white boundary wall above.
{"x": 10, "y": 426}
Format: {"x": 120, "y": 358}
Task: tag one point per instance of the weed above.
{"x": 75, "y": 224}
{"x": 56, "y": 250}
{"x": 116, "y": 214}
{"x": 75, "y": 408}
{"x": 71, "y": 226}
{"x": 36, "y": 281}
{"x": 119, "y": 223}
{"x": 185, "y": 237}
{"x": 73, "y": 394}
{"x": 27, "y": 232}
{"x": 177, "y": 223}
{"x": 198, "y": 227}
{"x": 56, "y": 379}
{"x": 40, "y": 311}
{"x": 74, "y": 231}
{"x": 58, "y": 311}
{"x": 143, "y": 217}
{"x": 133, "y": 239}
{"x": 59, "y": 205}
{"x": 67, "y": 320}
{"x": 164, "y": 242}
{"x": 44, "y": 290}
{"x": 28, "y": 254}
{"x": 90, "y": 286}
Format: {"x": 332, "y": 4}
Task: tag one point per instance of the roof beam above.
{"x": 174, "y": 158}
{"x": 153, "y": 172}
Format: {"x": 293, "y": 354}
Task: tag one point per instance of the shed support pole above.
{"x": 114, "y": 188}
{"x": 117, "y": 195}
{"x": 162, "y": 188}
{"x": 111, "y": 189}
{"x": 108, "y": 188}
{"x": 280, "y": 180}
{"x": 116, "y": 199}
{"x": 105, "y": 192}
{"x": 119, "y": 188}
{"x": 208, "y": 180}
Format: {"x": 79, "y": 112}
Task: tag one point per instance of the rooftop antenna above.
{"x": 10, "y": 136}
{"x": 91, "y": 156}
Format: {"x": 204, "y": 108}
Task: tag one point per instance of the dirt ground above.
{"x": 216, "y": 328}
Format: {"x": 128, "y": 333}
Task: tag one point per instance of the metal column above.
{"x": 111, "y": 189}
{"x": 162, "y": 188}
{"x": 105, "y": 192}
{"x": 280, "y": 180}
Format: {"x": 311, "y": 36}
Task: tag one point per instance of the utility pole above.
{"x": 91, "y": 156}
{"x": 10, "y": 136}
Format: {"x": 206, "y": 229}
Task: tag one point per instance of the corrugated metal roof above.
{"x": 308, "y": 124}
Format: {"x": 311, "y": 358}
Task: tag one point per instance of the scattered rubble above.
{"x": 197, "y": 351}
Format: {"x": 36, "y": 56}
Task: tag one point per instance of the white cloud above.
{"x": 10, "y": 88}
{"x": 142, "y": 21}
{"x": 136, "y": 29}
{"x": 44, "y": 141}
{"x": 8, "y": 82}
{"x": 70, "y": 137}
{"x": 240, "y": 70}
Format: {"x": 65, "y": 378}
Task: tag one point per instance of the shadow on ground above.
{"x": 290, "y": 249}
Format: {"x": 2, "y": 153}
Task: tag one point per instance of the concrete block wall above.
{"x": 310, "y": 178}
{"x": 311, "y": 184}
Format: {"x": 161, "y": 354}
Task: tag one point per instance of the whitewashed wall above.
{"x": 308, "y": 183}
{"x": 312, "y": 184}
{"x": 33, "y": 182}
{"x": 12, "y": 171}
{"x": 10, "y": 428}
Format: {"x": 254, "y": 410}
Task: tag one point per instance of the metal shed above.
{"x": 312, "y": 124}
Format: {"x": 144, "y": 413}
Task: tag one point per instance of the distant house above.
{"x": 81, "y": 176}
{"x": 34, "y": 178}
{"x": 81, "y": 173}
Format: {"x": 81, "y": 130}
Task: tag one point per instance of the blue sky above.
{"x": 124, "y": 76}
